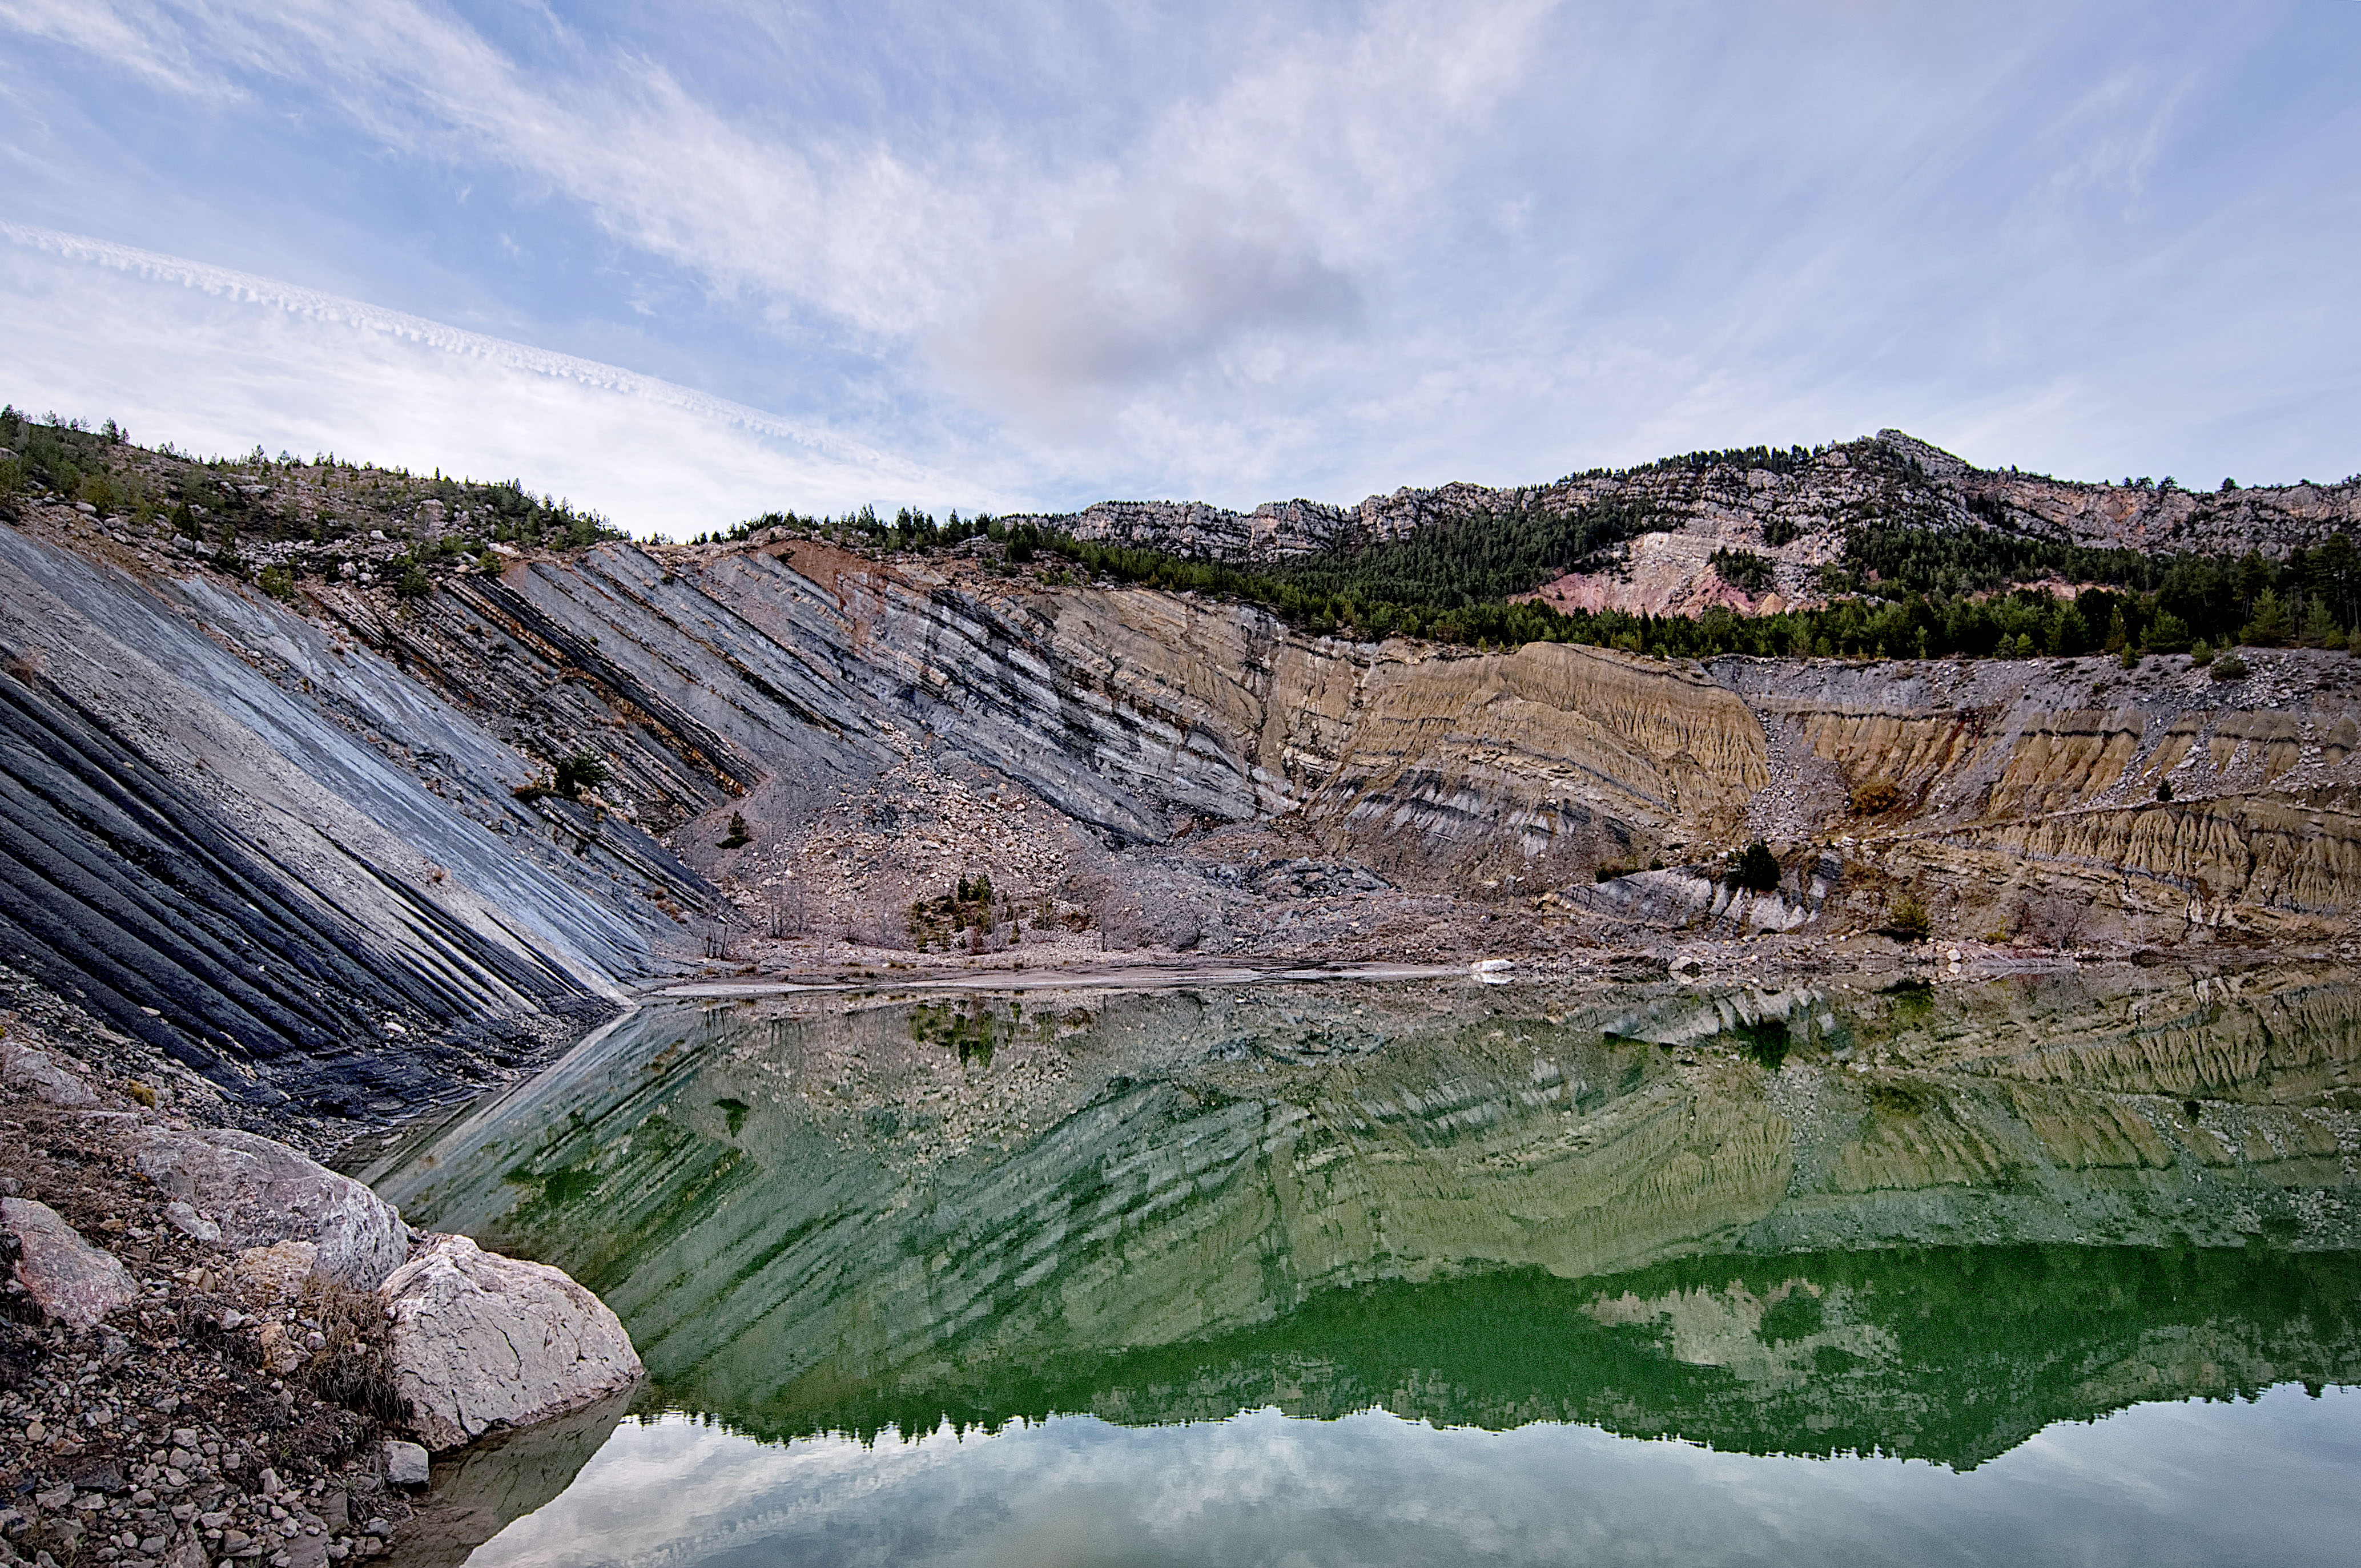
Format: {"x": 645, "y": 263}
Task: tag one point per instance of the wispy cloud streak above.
{"x": 1244, "y": 249}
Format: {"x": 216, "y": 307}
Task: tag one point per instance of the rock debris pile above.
{"x": 201, "y": 1359}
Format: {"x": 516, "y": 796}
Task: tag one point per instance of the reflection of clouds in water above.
{"x": 2267, "y": 1481}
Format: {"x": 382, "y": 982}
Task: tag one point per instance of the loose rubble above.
{"x": 196, "y": 1369}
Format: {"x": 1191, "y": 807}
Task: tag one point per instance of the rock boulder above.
{"x": 261, "y": 1192}
{"x": 69, "y": 1280}
{"x": 279, "y": 1270}
{"x": 36, "y": 1074}
{"x": 405, "y": 1463}
{"x": 482, "y": 1342}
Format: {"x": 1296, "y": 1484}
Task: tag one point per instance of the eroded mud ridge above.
{"x": 1809, "y": 1219}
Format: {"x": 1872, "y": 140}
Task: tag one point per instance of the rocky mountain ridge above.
{"x": 1790, "y": 507}
{"x": 308, "y": 850}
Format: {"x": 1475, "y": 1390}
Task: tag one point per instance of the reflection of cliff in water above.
{"x": 1925, "y": 1222}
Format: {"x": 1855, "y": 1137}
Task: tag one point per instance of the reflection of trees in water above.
{"x": 1949, "y": 1354}
{"x": 765, "y": 1192}
{"x": 970, "y": 1027}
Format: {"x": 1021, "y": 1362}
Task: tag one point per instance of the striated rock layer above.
{"x": 310, "y": 853}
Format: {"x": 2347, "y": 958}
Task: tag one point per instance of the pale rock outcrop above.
{"x": 482, "y": 1342}
{"x": 281, "y": 1351}
{"x": 32, "y": 1071}
{"x": 405, "y": 1463}
{"x": 1791, "y": 509}
{"x": 279, "y": 1270}
{"x": 1685, "y": 897}
{"x": 185, "y": 1219}
{"x": 260, "y": 1192}
{"x": 69, "y": 1280}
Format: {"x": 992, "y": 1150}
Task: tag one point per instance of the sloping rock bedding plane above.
{"x": 306, "y": 848}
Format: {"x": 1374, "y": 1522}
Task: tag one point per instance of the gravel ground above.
{"x": 210, "y": 1420}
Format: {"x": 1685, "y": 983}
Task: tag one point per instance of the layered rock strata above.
{"x": 285, "y": 846}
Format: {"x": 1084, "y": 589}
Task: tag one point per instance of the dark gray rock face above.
{"x": 255, "y": 876}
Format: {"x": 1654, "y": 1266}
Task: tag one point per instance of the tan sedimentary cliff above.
{"x": 2020, "y": 784}
{"x": 822, "y": 696}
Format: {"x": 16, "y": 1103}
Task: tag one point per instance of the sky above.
{"x": 690, "y": 263}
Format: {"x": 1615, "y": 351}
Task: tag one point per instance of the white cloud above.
{"x": 1225, "y": 228}
{"x": 1135, "y": 297}
{"x": 2250, "y": 1480}
{"x": 843, "y": 225}
{"x": 217, "y": 361}
{"x": 135, "y": 46}
{"x": 1246, "y": 250}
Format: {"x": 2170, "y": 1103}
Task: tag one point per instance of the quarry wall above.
{"x": 284, "y": 842}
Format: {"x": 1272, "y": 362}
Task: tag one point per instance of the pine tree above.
{"x": 2167, "y": 633}
{"x": 2269, "y": 629}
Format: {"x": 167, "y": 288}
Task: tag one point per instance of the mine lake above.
{"x": 2043, "y": 1268}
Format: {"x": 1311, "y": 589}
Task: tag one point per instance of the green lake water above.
{"x": 2064, "y": 1270}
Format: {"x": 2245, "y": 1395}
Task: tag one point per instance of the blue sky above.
{"x": 687, "y": 263}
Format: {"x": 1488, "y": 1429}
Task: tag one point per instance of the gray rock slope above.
{"x": 286, "y": 846}
{"x": 316, "y": 887}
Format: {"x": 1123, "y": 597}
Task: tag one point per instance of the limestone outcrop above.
{"x": 1791, "y": 509}
{"x": 35, "y": 1073}
{"x": 67, "y": 1278}
{"x": 262, "y": 1194}
{"x": 481, "y": 1342}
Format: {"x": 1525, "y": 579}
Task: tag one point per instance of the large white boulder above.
{"x": 69, "y": 1280}
{"x": 482, "y": 1342}
{"x": 261, "y": 1192}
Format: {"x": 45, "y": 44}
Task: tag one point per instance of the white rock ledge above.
{"x": 482, "y": 1342}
